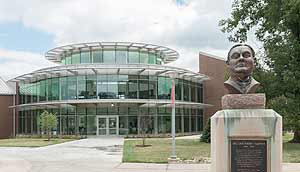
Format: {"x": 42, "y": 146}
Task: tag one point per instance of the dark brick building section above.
{"x": 214, "y": 67}
{"x": 6, "y": 116}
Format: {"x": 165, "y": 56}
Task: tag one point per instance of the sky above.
{"x": 30, "y": 28}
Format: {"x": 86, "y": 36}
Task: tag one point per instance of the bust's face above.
{"x": 241, "y": 60}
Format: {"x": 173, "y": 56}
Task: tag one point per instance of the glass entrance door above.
{"x": 107, "y": 125}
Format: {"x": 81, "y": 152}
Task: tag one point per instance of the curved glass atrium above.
{"x": 108, "y": 88}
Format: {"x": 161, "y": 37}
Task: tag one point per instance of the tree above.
{"x": 145, "y": 124}
{"x": 47, "y": 121}
{"x": 276, "y": 23}
{"x": 205, "y": 137}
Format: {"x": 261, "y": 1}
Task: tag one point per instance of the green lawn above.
{"x": 160, "y": 150}
{"x": 31, "y": 142}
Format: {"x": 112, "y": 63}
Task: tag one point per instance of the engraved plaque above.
{"x": 248, "y": 156}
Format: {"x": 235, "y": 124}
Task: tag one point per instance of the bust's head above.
{"x": 240, "y": 60}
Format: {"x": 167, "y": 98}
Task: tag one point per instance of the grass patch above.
{"x": 189, "y": 149}
{"x": 291, "y": 151}
{"x": 160, "y": 150}
{"x": 31, "y": 142}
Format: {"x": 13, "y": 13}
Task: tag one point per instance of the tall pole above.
{"x": 173, "y": 156}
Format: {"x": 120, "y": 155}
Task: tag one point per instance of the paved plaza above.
{"x": 103, "y": 154}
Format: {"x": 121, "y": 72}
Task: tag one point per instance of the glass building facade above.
{"x": 108, "y": 89}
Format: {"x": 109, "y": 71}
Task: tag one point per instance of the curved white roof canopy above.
{"x": 127, "y": 69}
{"x": 167, "y": 54}
{"x": 108, "y": 102}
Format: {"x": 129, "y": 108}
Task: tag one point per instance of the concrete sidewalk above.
{"x": 143, "y": 167}
{"x": 91, "y": 155}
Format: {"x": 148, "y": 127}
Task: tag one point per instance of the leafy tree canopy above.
{"x": 276, "y": 23}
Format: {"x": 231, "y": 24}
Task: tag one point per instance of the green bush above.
{"x": 205, "y": 137}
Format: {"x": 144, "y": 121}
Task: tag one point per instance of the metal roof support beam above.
{"x": 139, "y": 72}
{"x": 72, "y": 72}
{"x": 161, "y": 72}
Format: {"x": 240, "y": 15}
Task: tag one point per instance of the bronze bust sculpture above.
{"x": 240, "y": 62}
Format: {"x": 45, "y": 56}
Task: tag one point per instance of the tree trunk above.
{"x": 48, "y": 132}
{"x": 144, "y": 140}
{"x": 296, "y": 138}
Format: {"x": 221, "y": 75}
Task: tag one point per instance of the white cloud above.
{"x": 187, "y": 28}
{"x": 18, "y": 63}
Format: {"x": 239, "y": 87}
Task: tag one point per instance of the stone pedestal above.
{"x": 247, "y": 140}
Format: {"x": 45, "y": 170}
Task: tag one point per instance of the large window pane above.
{"x": 91, "y": 87}
{"x": 123, "y": 125}
{"x": 200, "y": 94}
{"x": 152, "y": 87}
{"x": 72, "y": 90}
{"x": 144, "y": 58}
{"x": 55, "y": 89}
{"x": 97, "y": 56}
{"x": 178, "y": 89}
{"x": 85, "y": 57}
{"x": 132, "y": 125}
{"x": 76, "y": 58}
{"x": 152, "y": 59}
{"x": 91, "y": 125}
{"x": 112, "y": 91}
{"x": 132, "y": 87}
{"x": 193, "y": 92}
{"x": 123, "y": 87}
{"x": 133, "y": 57}
{"x": 109, "y": 57}
{"x": 81, "y": 87}
{"x": 64, "y": 88}
{"x": 143, "y": 89}
{"x": 102, "y": 86}
{"x": 121, "y": 57}
{"x": 164, "y": 88}
{"x": 49, "y": 92}
{"x": 186, "y": 91}
{"x": 69, "y": 60}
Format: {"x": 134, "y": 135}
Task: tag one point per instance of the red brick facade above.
{"x": 6, "y": 116}
{"x": 214, "y": 67}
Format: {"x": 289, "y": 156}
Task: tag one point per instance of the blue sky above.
{"x": 15, "y": 36}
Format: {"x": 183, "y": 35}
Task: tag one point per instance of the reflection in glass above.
{"x": 144, "y": 58}
{"x": 75, "y": 58}
{"x": 133, "y": 57}
{"x": 97, "y": 56}
{"x": 85, "y": 57}
{"x": 109, "y": 57}
{"x": 121, "y": 57}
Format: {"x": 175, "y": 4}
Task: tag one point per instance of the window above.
{"x": 143, "y": 87}
{"x": 112, "y": 90}
{"x": 97, "y": 56}
{"x": 71, "y": 89}
{"x": 144, "y": 58}
{"x": 109, "y": 56}
{"x": 64, "y": 88}
{"x": 81, "y": 87}
{"x": 152, "y": 59}
{"x": 76, "y": 58}
{"x": 91, "y": 87}
{"x": 68, "y": 60}
{"x": 121, "y": 57}
{"x": 133, "y": 57}
{"x": 152, "y": 87}
{"x": 85, "y": 57}
{"x": 102, "y": 86}
{"x": 55, "y": 89}
{"x": 132, "y": 86}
